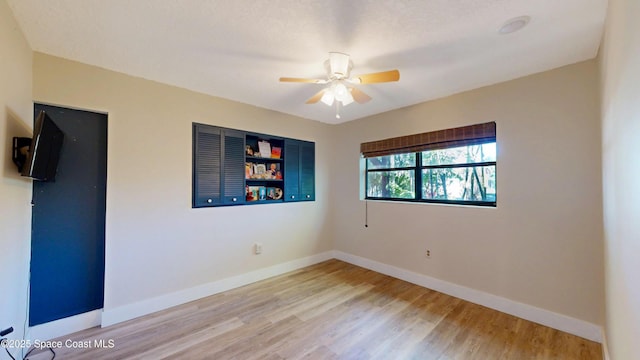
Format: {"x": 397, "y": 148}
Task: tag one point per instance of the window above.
{"x": 458, "y": 169}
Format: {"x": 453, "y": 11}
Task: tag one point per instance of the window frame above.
{"x": 418, "y": 180}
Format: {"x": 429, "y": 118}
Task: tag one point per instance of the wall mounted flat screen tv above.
{"x": 44, "y": 152}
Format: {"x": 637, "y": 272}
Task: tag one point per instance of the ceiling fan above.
{"x": 340, "y": 83}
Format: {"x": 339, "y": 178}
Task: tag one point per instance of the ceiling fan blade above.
{"x": 359, "y": 96}
{"x": 315, "y": 98}
{"x": 385, "y": 76}
{"x": 303, "y": 80}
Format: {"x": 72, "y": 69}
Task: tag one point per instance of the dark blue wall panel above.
{"x": 68, "y": 224}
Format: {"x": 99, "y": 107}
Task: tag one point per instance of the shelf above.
{"x": 256, "y": 158}
{"x": 266, "y": 180}
{"x": 263, "y": 201}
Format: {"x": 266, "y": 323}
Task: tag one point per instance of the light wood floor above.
{"x": 332, "y": 310}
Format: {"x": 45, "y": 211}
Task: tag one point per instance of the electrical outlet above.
{"x": 257, "y": 248}
{"x": 427, "y": 254}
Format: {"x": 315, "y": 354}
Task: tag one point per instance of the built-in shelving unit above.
{"x": 233, "y": 167}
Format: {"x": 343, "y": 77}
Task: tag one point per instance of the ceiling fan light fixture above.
{"x": 328, "y": 97}
{"x": 340, "y": 91}
{"x": 347, "y": 100}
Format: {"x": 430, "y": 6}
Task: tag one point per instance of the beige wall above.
{"x": 620, "y": 69}
{"x": 155, "y": 242}
{"x": 16, "y": 119}
{"x": 542, "y": 244}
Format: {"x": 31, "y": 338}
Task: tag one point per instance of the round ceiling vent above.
{"x": 514, "y": 24}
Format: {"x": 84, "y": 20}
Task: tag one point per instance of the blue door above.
{"x": 68, "y": 221}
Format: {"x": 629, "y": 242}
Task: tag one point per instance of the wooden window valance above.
{"x": 433, "y": 140}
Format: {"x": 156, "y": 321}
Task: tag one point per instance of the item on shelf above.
{"x": 274, "y": 193}
{"x": 271, "y": 193}
{"x": 253, "y": 193}
{"x": 259, "y": 171}
{"x": 276, "y": 152}
{"x": 265, "y": 148}
{"x": 272, "y": 171}
{"x": 262, "y": 193}
{"x": 248, "y": 170}
{"x": 249, "y": 150}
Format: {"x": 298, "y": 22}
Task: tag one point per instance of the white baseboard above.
{"x": 127, "y": 312}
{"x": 130, "y": 311}
{"x": 69, "y": 325}
{"x": 545, "y": 317}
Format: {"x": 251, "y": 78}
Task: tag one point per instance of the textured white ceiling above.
{"x": 238, "y": 49}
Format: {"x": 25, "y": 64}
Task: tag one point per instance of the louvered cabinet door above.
{"x": 291, "y": 170}
{"x": 299, "y": 171}
{"x": 233, "y": 166}
{"x": 207, "y": 161}
{"x": 307, "y": 171}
